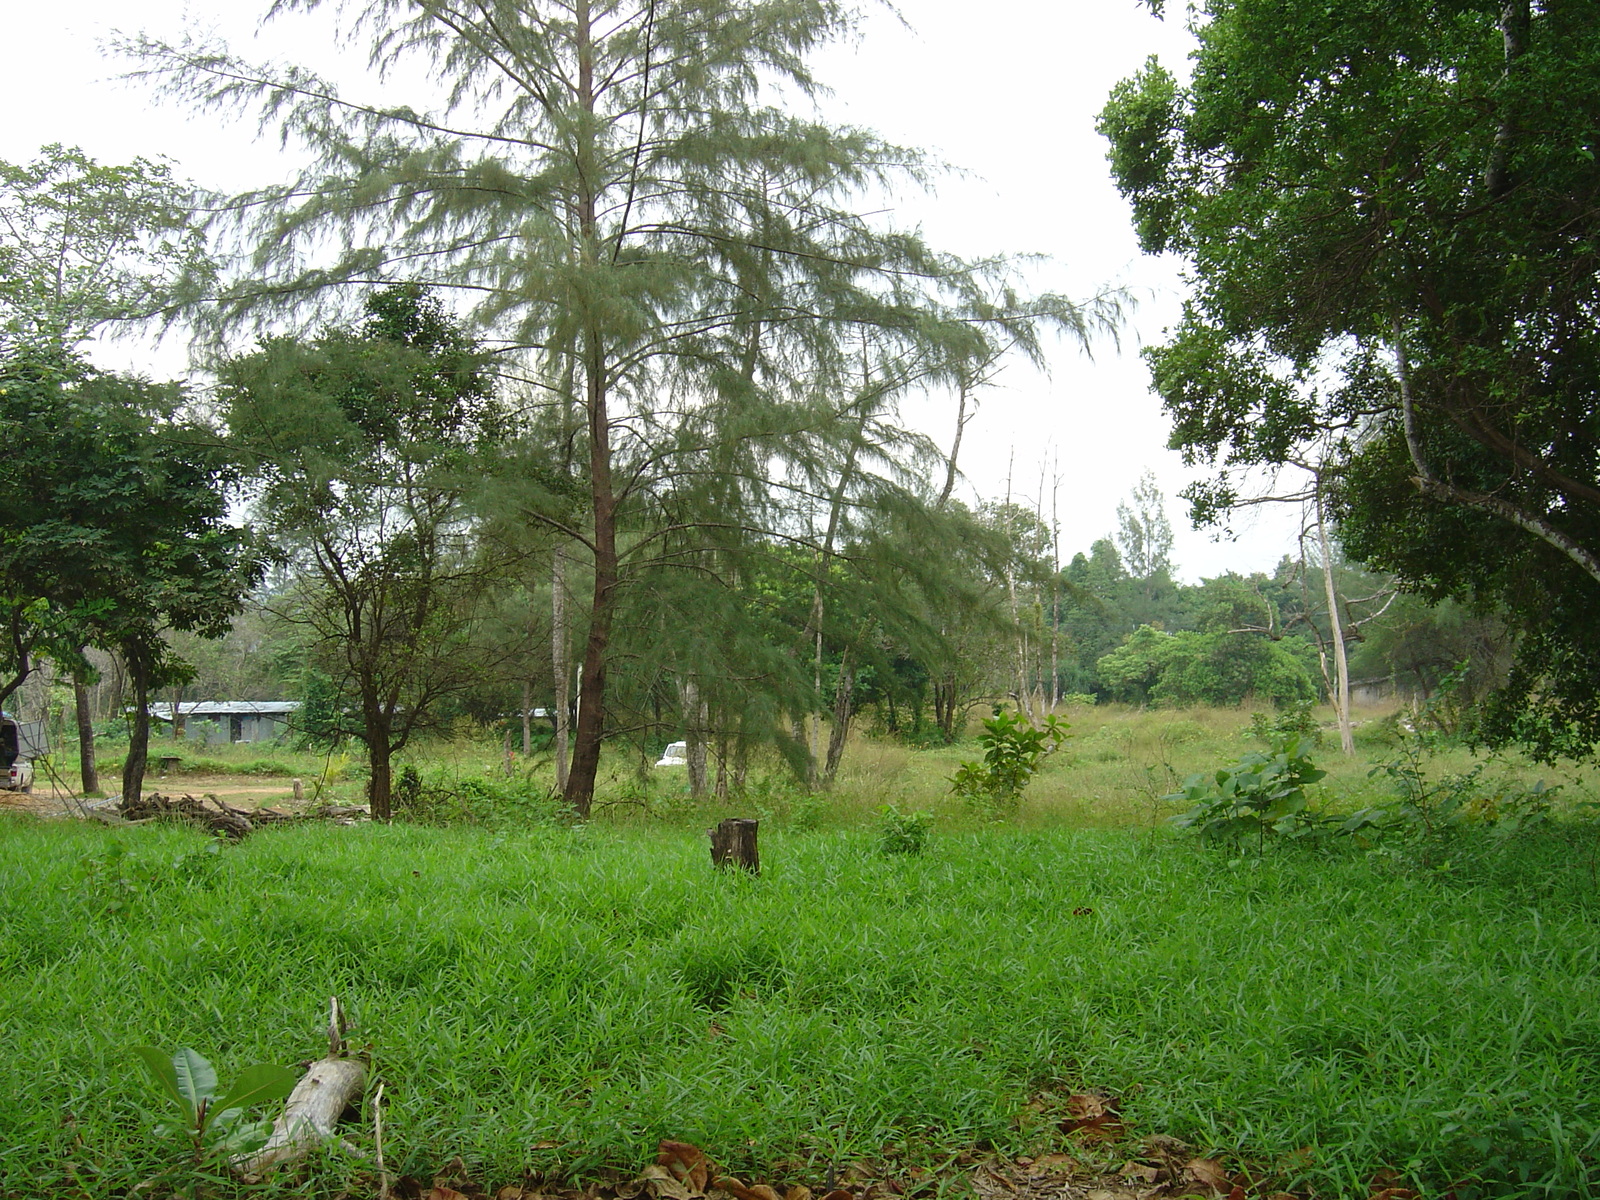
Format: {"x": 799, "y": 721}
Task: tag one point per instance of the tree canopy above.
{"x": 1391, "y": 218}
{"x": 83, "y": 243}
{"x": 613, "y": 188}
{"x": 367, "y": 445}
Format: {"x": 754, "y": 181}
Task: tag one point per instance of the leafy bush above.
{"x": 1260, "y": 792}
{"x": 213, "y": 1124}
{"x": 475, "y": 800}
{"x": 903, "y": 832}
{"x": 1189, "y": 668}
{"x": 1296, "y": 718}
{"x": 1013, "y": 752}
{"x": 1427, "y": 807}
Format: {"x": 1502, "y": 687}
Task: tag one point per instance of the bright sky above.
{"x": 1007, "y": 91}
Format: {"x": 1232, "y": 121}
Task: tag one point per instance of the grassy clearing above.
{"x": 1112, "y": 773}
{"x": 592, "y": 990}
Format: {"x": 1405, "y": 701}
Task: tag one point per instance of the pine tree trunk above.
{"x": 603, "y": 502}
{"x": 527, "y": 714}
{"x": 741, "y": 762}
{"x": 559, "y": 666}
{"x": 694, "y": 720}
{"x": 87, "y": 768}
{"x": 944, "y": 708}
{"x": 722, "y": 768}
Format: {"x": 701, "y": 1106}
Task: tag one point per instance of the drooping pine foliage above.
{"x": 714, "y": 338}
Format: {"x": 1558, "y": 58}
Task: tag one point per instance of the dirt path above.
{"x": 241, "y": 791}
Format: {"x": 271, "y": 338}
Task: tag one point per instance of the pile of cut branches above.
{"x": 219, "y": 817}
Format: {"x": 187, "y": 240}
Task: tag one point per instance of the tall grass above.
{"x": 559, "y": 999}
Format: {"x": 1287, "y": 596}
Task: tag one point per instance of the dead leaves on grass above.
{"x": 1160, "y": 1168}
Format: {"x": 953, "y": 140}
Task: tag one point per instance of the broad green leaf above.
{"x": 247, "y": 1137}
{"x": 260, "y": 1084}
{"x": 165, "y": 1073}
{"x": 197, "y": 1079}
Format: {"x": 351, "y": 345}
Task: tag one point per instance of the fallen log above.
{"x": 311, "y": 1114}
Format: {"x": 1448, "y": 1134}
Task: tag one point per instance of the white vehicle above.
{"x": 20, "y": 743}
{"x": 676, "y": 755}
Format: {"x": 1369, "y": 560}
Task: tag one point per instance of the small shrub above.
{"x": 1013, "y": 752}
{"x": 1260, "y": 792}
{"x": 1427, "y": 807}
{"x": 475, "y": 800}
{"x": 1296, "y": 719}
{"x": 903, "y": 832}
{"x": 1181, "y": 732}
{"x": 213, "y": 1124}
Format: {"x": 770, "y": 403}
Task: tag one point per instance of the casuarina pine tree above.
{"x": 617, "y": 189}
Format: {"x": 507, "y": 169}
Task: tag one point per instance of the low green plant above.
{"x": 112, "y": 880}
{"x": 1427, "y": 806}
{"x": 1013, "y": 751}
{"x": 903, "y": 832}
{"x": 439, "y": 799}
{"x": 1294, "y": 718}
{"x": 1259, "y": 793}
{"x": 214, "y": 1124}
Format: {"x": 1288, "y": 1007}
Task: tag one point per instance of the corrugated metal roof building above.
{"x": 230, "y": 720}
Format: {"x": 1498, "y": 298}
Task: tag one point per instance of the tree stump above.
{"x": 733, "y": 843}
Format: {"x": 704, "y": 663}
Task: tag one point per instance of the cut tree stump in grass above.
{"x": 733, "y": 843}
{"x": 311, "y": 1114}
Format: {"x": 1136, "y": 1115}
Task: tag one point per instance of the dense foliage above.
{"x": 1391, "y": 218}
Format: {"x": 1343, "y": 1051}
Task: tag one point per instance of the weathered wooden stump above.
{"x": 733, "y": 843}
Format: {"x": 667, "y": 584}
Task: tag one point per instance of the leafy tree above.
{"x": 82, "y": 244}
{"x": 1393, "y": 222}
{"x": 688, "y": 264}
{"x": 1418, "y": 645}
{"x": 366, "y": 444}
{"x": 1143, "y": 531}
{"x": 113, "y": 529}
{"x": 1221, "y": 668}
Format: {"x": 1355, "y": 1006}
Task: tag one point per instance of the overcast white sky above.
{"x": 1005, "y": 90}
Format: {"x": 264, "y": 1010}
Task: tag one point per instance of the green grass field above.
{"x": 590, "y": 991}
{"x": 540, "y": 997}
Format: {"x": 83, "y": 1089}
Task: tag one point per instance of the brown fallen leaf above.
{"x": 797, "y": 1191}
{"x": 737, "y": 1189}
{"x": 1138, "y": 1170}
{"x": 1053, "y": 1164}
{"x": 510, "y": 1192}
{"x": 444, "y": 1193}
{"x": 661, "y": 1183}
{"x": 1209, "y": 1172}
{"x": 1094, "y": 1117}
{"x": 687, "y": 1164}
